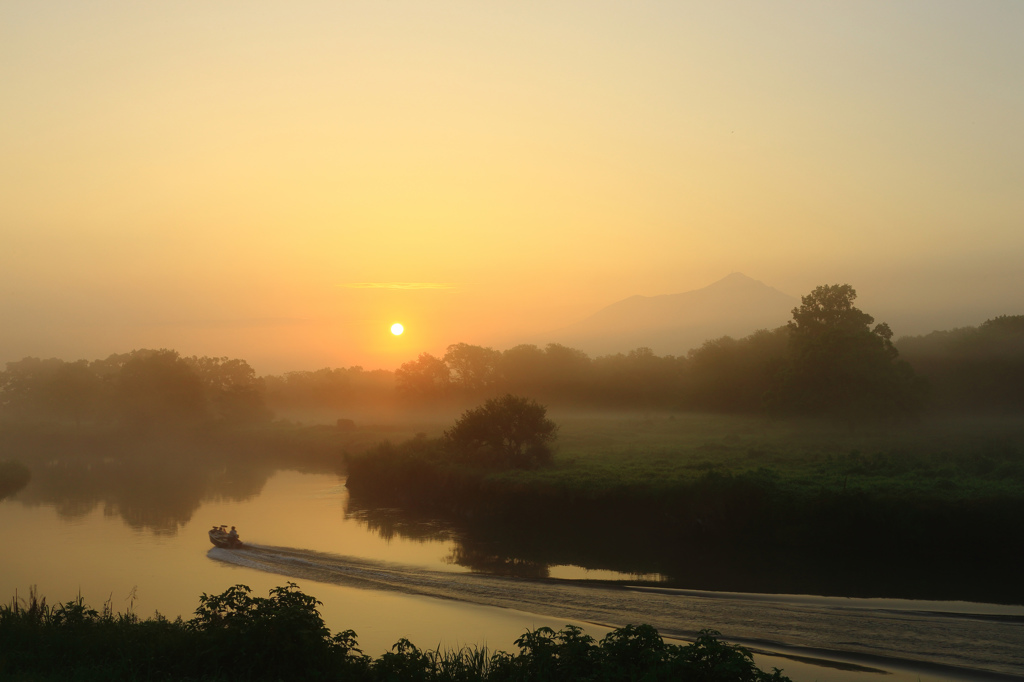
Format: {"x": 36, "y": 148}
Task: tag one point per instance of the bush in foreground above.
{"x": 235, "y": 636}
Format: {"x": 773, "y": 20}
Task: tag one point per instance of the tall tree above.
{"x": 841, "y": 366}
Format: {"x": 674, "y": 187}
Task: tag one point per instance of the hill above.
{"x": 672, "y": 324}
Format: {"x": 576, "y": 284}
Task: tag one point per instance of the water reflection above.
{"x": 592, "y": 551}
{"x": 158, "y": 486}
{"x": 389, "y": 523}
{"x": 485, "y": 560}
{"x": 875, "y": 632}
{"x": 159, "y": 494}
{"x": 472, "y": 547}
{"x": 13, "y": 477}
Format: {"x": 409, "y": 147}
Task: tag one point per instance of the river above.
{"x": 140, "y": 551}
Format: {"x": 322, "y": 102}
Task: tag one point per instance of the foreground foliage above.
{"x": 235, "y": 636}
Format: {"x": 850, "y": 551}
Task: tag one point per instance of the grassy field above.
{"x": 776, "y": 505}
{"x": 964, "y": 457}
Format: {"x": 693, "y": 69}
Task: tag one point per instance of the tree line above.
{"x": 831, "y": 360}
{"x": 143, "y": 388}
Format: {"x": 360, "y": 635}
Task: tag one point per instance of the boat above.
{"x": 220, "y": 536}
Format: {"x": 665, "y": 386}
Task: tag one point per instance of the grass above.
{"x": 940, "y": 504}
{"x": 965, "y": 458}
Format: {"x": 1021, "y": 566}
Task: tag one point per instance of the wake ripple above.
{"x": 971, "y": 645}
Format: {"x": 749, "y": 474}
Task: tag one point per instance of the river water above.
{"x": 148, "y": 555}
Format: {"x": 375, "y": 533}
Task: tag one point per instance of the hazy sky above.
{"x": 282, "y": 181}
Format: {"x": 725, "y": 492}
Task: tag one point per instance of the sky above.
{"x": 281, "y": 182}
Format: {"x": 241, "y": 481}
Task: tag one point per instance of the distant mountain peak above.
{"x": 735, "y": 305}
{"x": 736, "y": 280}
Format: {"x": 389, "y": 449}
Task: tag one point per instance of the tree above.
{"x": 24, "y": 386}
{"x": 426, "y": 377}
{"x": 509, "y": 430}
{"x": 972, "y": 368}
{"x": 523, "y": 369}
{"x": 159, "y": 387}
{"x": 474, "y": 369}
{"x": 49, "y": 389}
{"x": 734, "y": 375}
{"x": 840, "y": 366}
{"x": 75, "y": 391}
{"x": 232, "y": 389}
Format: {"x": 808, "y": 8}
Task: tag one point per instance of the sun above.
{"x": 397, "y": 329}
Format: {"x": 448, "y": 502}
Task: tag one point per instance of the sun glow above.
{"x": 397, "y": 329}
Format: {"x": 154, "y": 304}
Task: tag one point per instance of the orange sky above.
{"x": 226, "y": 178}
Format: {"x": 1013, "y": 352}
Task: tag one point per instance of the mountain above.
{"x": 672, "y": 324}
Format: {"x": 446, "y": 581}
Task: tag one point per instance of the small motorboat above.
{"x": 220, "y": 536}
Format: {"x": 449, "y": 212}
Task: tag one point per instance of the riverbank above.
{"x": 940, "y": 505}
{"x": 100, "y": 554}
{"x": 235, "y": 636}
{"x": 826, "y": 632}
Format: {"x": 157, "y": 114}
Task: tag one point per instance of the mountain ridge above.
{"x": 672, "y": 324}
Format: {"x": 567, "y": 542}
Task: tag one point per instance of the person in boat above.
{"x": 233, "y": 535}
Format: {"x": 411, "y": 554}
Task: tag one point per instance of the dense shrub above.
{"x": 235, "y": 636}
{"x": 509, "y": 431}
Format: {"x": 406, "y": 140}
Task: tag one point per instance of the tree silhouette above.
{"x": 507, "y": 430}
{"x": 159, "y": 387}
{"x": 425, "y": 377}
{"x": 735, "y": 375}
{"x": 474, "y": 369}
{"x": 232, "y": 389}
{"x": 973, "y": 368}
{"x": 840, "y": 366}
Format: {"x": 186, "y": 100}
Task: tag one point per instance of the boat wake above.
{"x": 972, "y": 641}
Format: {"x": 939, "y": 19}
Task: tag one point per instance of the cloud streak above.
{"x": 399, "y": 285}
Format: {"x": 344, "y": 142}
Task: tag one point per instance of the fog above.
{"x": 226, "y": 182}
{"x": 759, "y": 264}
